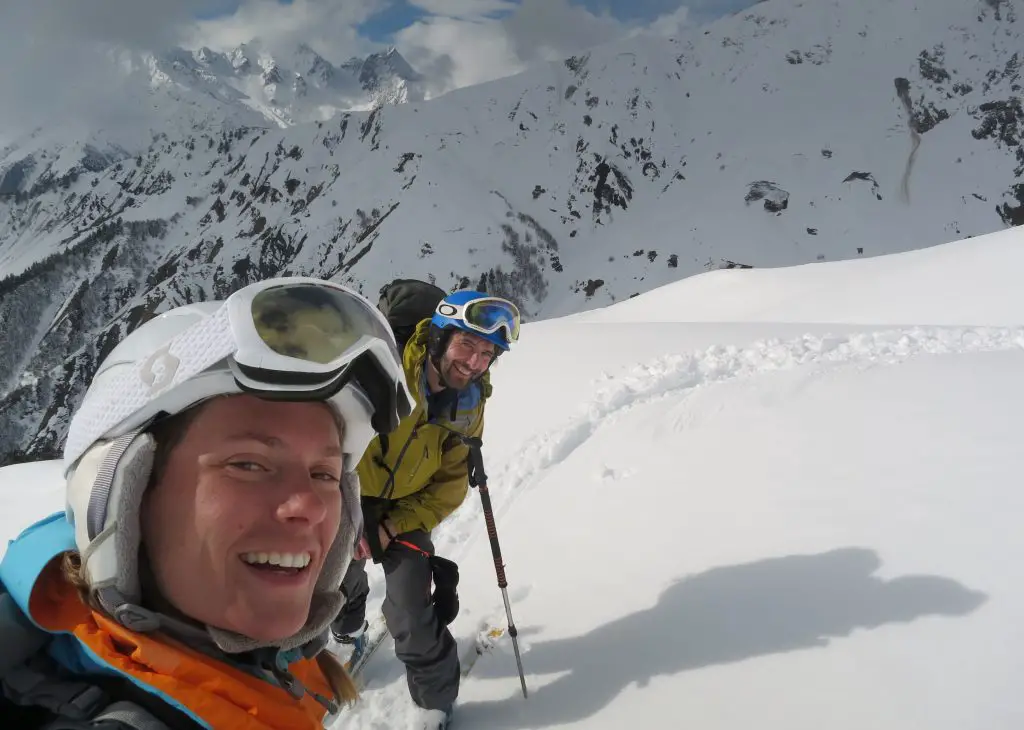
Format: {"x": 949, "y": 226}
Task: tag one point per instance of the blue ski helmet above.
{"x": 492, "y": 318}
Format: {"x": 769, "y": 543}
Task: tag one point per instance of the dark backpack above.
{"x": 407, "y": 302}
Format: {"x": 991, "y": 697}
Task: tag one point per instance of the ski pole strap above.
{"x": 477, "y": 476}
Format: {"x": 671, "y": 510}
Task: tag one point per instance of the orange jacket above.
{"x": 212, "y": 693}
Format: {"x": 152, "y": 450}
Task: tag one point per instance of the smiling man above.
{"x": 416, "y": 476}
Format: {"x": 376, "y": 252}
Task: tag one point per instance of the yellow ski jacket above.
{"x": 430, "y": 464}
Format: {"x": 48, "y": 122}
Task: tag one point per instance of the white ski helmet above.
{"x": 294, "y": 338}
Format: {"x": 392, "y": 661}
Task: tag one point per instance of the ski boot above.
{"x": 356, "y": 641}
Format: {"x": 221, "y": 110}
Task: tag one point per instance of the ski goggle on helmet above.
{"x": 294, "y": 338}
{"x": 478, "y": 313}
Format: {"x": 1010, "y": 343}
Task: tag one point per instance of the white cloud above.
{"x": 553, "y": 29}
{"x": 456, "y": 52}
{"x": 56, "y": 61}
{"x": 46, "y": 24}
{"x": 670, "y": 24}
{"x": 453, "y": 53}
{"x": 328, "y": 26}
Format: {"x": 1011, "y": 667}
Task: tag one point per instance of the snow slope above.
{"x": 947, "y": 289}
{"x": 741, "y": 522}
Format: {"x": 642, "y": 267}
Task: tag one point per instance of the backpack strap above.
{"x": 36, "y": 683}
{"x": 125, "y": 715}
{"x": 20, "y": 638}
{"x": 72, "y": 703}
{"x": 32, "y": 680}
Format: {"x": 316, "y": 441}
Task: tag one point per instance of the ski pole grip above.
{"x": 477, "y": 475}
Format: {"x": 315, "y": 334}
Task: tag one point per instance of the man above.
{"x": 416, "y": 476}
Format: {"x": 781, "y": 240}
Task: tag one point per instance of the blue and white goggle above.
{"x": 486, "y": 315}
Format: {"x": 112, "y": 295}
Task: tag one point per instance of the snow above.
{"x": 871, "y": 290}
{"x": 777, "y": 498}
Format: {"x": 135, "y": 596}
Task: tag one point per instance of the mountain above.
{"x": 794, "y": 132}
{"x": 836, "y": 509}
{"x": 301, "y": 86}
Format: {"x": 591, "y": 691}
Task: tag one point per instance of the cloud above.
{"x": 454, "y": 51}
{"x": 703, "y": 11}
{"x": 59, "y": 64}
{"x": 50, "y": 24}
{"x": 328, "y": 26}
{"x": 670, "y": 24}
{"x": 554, "y": 29}
{"x": 56, "y": 58}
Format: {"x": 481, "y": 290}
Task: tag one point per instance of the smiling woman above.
{"x": 241, "y": 515}
{"x": 213, "y": 509}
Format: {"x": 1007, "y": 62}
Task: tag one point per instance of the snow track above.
{"x": 670, "y": 375}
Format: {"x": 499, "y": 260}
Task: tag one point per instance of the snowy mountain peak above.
{"x": 385, "y": 65}
{"x": 289, "y": 87}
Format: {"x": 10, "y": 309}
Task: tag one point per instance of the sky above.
{"x": 455, "y": 43}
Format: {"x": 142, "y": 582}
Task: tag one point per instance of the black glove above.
{"x": 446, "y": 581}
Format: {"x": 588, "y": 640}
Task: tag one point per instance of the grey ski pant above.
{"x": 422, "y": 642}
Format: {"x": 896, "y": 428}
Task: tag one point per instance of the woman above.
{"x": 212, "y": 510}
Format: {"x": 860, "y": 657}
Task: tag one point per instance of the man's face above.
{"x": 468, "y": 356}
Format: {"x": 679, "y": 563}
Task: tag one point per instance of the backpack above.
{"x": 407, "y": 302}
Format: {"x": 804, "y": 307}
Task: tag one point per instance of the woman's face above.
{"x": 239, "y": 522}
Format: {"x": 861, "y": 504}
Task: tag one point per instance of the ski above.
{"x": 377, "y": 633}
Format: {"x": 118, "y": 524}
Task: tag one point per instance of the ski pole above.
{"x": 478, "y": 479}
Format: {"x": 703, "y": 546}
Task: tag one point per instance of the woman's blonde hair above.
{"x": 167, "y": 434}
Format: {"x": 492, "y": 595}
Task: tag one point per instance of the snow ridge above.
{"x": 677, "y": 373}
